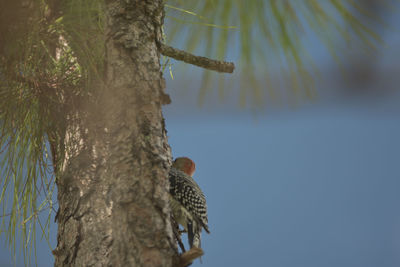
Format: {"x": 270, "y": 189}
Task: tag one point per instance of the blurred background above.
{"x": 292, "y": 181}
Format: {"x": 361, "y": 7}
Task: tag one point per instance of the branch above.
{"x": 189, "y": 256}
{"x": 203, "y": 62}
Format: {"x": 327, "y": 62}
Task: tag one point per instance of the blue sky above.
{"x": 309, "y": 188}
{"x": 313, "y": 186}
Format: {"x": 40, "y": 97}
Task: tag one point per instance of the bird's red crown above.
{"x": 185, "y": 164}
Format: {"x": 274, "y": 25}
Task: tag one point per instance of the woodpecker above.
{"x": 188, "y": 202}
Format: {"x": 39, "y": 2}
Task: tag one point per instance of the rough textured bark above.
{"x": 113, "y": 187}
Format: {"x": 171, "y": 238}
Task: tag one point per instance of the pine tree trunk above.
{"x": 112, "y": 186}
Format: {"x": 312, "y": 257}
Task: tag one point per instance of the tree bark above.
{"x": 113, "y": 181}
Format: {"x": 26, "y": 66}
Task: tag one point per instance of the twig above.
{"x": 203, "y": 62}
{"x": 188, "y": 257}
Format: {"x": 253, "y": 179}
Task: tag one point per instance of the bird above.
{"x": 187, "y": 201}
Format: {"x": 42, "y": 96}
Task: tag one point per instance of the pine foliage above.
{"x": 273, "y": 35}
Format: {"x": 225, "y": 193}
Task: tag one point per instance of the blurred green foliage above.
{"x": 266, "y": 36}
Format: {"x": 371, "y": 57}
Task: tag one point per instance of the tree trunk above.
{"x": 112, "y": 183}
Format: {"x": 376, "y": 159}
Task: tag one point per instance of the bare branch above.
{"x": 189, "y": 256}
{"x": 203, "y": 62}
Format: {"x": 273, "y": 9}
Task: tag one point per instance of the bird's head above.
{"x": 184, "y": 164}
